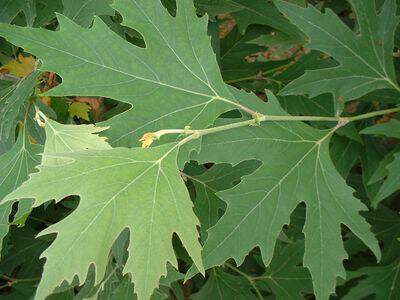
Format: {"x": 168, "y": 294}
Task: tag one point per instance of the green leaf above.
{"x": 235, "y": 47}
{"x": 83, "y": 12}
{"x": 221, "y": 285}
{"x": 391, "y": 184}
{"x": 46, "y": 11}
{"x": 207, "y": 206}
{"x": 173, "y": 82}
{"x": 16, "y": 165}
{"x": 79, "y": 110}
{"x": 70, "y": 138}
{"x": 284, "y": 276}
{"x": 296, "y": 168}
{"x": 11, "y": 8}
{"x": 23, "y": 158}
{"x": 383, "y": 281}
{"x": 144, "y": 192}
{"x": 11, "y": 101}
{"x": 381, "y": 171}
{"x": 388, "y": 129}
{"x": 23, "y": 255}
{"x": 345, "y": 154}
{"x": 386, "y": 226}
{"x": 366, "y": 59}
{"x": 249, "y": 12}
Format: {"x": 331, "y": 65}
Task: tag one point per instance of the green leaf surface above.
{"x": 46, "y": 11}
{"x": 284, "y": 276}
{"x": 70, "y": 138}
{"x": 388, "y": 129}
{"x": 249, "y": 12}
{"x": 144, "y": 193}
{"x": 15, "y": 166}
{"x": 345, "y": 154}
{"x": 207, "y": 206}
{"x": 366, "y": 58}
{"x": 82, "y": 12}
{"x": 383, "y": 281}
{"x": 392, "y": 165}
{"x": 296, "y": 168}
{"x": 386, "y": 226}
{"x": 11, "y": 101}
{"x": 392, "y": 182}
{"x": 9, "y": 9}
{"x": 221, "y": 285}
{"x": 173, "y": 82}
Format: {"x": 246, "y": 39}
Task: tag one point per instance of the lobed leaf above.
{"x": 366, "y": 58}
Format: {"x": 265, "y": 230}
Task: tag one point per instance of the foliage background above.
{"x": 256, "y": 49}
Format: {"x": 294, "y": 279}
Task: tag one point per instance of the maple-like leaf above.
{"x": 392, "y": 182}
{"x": 15, "y": 166}
{"x": 9, "y": 9}
{"x": 11, "y": 101}
{"x": 70, "y": 138}
{"x": 82, "y": 12}
{"x": 21, "y": 67}
{"x": 366, "y": 58}
{"x": 247, "y": 12}
{"x": 79, "y": 110}
{"x": 296, "y": 168}
{"x": 284, "y": 276}
{"x": 172, "y": 83}
{"x": 207, "y": 206}
{"x": 383, "y": 281}
{"x": 221, "y": 286}
{"x": 23, "y": 159}
{"x": 386, "y": 226}
{"x": 141, "y": 189}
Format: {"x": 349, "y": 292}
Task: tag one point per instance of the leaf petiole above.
{"x": 342, "y": 121}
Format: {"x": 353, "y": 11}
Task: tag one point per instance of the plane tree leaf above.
{"x": 24, "y": 157}
{"x": 207, "y": 205}
{"x": 365, "y": 58}
{"x": 296, "y": 168}
{"x": 221, "y": 285}
{"x": 275, "y": 185}
{"x": 144, "y": 193}
{"x": 389, "y": 129}
{"x": 11, "y": 101}
{"x": 284, "y": 276}
{"x": 15, "y": 166}
{"x": 382, "y": 281}
{"x": 11, "y": 8}
{"x": 82, "y": 12}
{"x": 173, "y": 82}
{"x": 249, "y": 12}
{"x": 70, "y": 138}
{"x": 391, "y": 183}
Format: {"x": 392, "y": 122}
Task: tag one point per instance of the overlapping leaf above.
{"x": 208, "y": 207}
{"x": 9, "y": 9}
{"x": 249, "y": 12}
{"x": 366, "y": 58}
{"x": 173, "y": 82}
{"x": 284, "y": 276}
{"x": 11, "y": 101}
{"x": 15, "y": 166}
{"x": 296, "y": 168}
{"x": 141, "y": 190}
{"x": 392, "y": 182}
{"x": 221, "y": 285}
{"x": 82, "y": 12}
{"x": 381, "y": 281}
